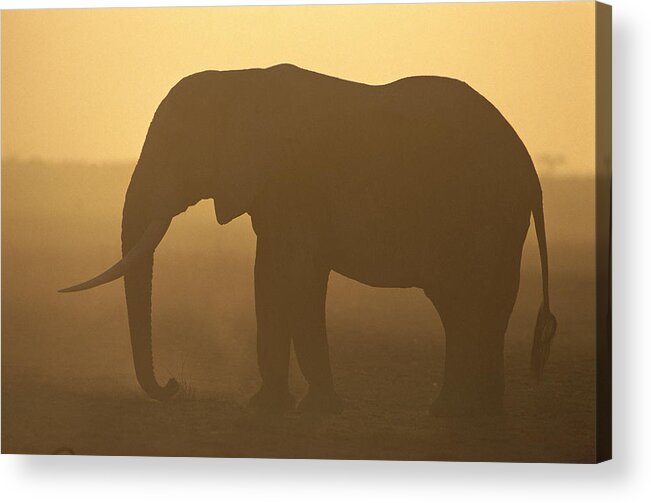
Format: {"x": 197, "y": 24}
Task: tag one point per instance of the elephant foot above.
{"x": 272, "y": 401}
{"x": 460, "y": 406}
{"x": 321, "y": 402}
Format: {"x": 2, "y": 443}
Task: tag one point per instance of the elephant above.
{"x": 418, "y": 183}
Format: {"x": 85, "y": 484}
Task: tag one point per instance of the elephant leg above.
{"x": 290, "y": 288}
{"x": 474, "y": 365}
{"x": 273, "y": 336}
{"x": 311, "y": 344}
{"x": 475, "y": 312}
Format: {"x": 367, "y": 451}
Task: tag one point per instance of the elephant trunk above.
{"x": 138, "y": 290}
{"x": 152, "y": 200}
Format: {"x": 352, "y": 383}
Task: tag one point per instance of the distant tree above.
{"x": 551, "y": 164}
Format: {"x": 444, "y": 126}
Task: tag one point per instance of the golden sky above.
{"x": 84, "y": 84}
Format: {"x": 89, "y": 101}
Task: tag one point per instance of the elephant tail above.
{"x": 546, "y": 321}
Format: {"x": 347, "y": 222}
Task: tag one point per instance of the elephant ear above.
{"x": 241, "y": 178}
{"x": 237, "y": 187}
{"x": 259, "y": 147}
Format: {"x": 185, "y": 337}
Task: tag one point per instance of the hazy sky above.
{"x": 84, "y": 84}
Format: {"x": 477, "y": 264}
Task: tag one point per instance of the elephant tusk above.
{"x": 144, "y": 247}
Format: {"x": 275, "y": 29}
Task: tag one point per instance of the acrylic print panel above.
{"x": 379, "y": 171}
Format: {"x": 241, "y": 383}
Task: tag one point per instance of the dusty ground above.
{"x": 67, "y": 379}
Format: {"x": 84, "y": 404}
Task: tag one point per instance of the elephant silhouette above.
{"x": 417, "y": 183}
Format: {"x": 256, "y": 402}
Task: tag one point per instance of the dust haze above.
{"x": 67, "y": 369}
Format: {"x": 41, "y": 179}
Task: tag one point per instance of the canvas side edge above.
{"x": 603, "y": 159}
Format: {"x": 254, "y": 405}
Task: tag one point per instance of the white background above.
{"x": 626, "y": 478}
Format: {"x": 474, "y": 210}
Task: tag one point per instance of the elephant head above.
{"x": 194, "y": 149}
